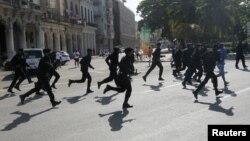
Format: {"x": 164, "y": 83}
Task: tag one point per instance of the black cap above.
{"x": 158, "y": 44}
{"x": 116, "y": 49}
{"x": 127, "y": 50}
{"x": 89, "y": 50}
{"x": 20, "y": 49}
{"x": 46, "y": 50}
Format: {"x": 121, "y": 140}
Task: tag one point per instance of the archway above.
{"x": 31, "y": 33}
{"x": 17, "y": 33}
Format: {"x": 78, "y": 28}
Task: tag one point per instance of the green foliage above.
{"x": 199, "y": 20}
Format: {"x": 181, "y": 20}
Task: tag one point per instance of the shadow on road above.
{"x": 106, "y": 99}
{"x": 116, "y": 119}
{"x": 8, "y": 77}
{"x": 246, "y": 69}
{"x": 217, "y": 108}
{"x": 36, "y": 97}
{"x": 7, "y": 96}
{"x": 154, "y": 87}
{"x": 75, "y": 99}
{"x": 23, "y": 118}
{"x": 227, "y": 91}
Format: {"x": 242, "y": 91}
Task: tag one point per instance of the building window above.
{"x": 66, "y": 4}
{"x": 82, "y": 12}
{"x": 76, "y": 10}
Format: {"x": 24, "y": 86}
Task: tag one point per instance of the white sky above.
{"x": 132, "y": 4}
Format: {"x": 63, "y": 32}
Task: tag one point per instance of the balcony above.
{"x": 91, "y": 24}
{"x": 34, "y": 6}
{"x": 7, "y": 3}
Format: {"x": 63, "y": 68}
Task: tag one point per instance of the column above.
{"x": 57, "y": 41}
{"x": 81, "y": 48}
{"x": 41, "y": 38}
{"x": 50, "y": 40}
{"x": 23, "y": 37}
{"x": 10, "y": 40}
{"x": 85, "y": 43}
{"x": 64, "y": 42}
{"x": 94, "y": 43}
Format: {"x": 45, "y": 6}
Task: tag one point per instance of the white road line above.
{"x": 148, "y": 91}
{"x": 237, "y": 93}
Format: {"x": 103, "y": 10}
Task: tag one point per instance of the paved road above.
{"x": 162, "y": 110}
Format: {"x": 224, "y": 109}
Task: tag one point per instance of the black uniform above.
{"x": 112, "y": 61}
{"x": 53, "y": 72}
{"x": 17, "y": 63}
{"x": 209, "y": 62}
{"x": 44, "y": 69}
{"x": 24, "y": 72}
{"x": 156, "y": 62}
{"x": 123, "y": 81}
{"x": 85, "y": 64}
{"x": 240, "y": 55}
{"x": 186, "y": 57}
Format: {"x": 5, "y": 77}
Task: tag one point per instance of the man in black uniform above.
{"x": 16, "y": 62}
{"x": 44, "y": 69}
{"x": 240, "y": 55}
{"x": 186, "y": 57}
{"x": 54, "y": 72}
{"x": 209, "y": 62}
{"x": 24, "y": 72}
{"x": 123, "y": 81}
{"x": 156, "y": 62}
{"x": 85, "y": 64}
{"x": 112, "y": 61}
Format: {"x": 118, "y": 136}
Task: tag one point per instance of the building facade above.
{"x": 124, "y": 25}
{"x": 104, "y": 19}
{"x": 54, "y": 24}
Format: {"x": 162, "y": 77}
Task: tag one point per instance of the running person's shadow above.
{"x": 75, "y": 99}
{"x": 106, "y": 99}
{"x": 23, "y": 118}
{"x": 154, "y": 87}
{"x": 116, "y": 119}
{"x": 217, "y": 108}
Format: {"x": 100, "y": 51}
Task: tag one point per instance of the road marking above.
{"x": 237, "y": 93}
{"x": 148, "y": 91}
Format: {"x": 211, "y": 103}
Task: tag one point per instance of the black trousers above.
{"x": 85, "y": 75}
{"x": 200, "y": 71}
{"x": 123, "y": 84}
{"x": 57, "y": 76}
{"x": 184, "y": 66}
{"x": 42, "y": 83}
{"x": 18, "y": 74}
{"x": 238, "y": 58}
{"x": 210, "y": 74}
{"x": 154, "y": 64}
{"x": 112, "y": 76}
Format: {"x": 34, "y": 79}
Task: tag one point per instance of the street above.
{"x": 162, "y": 110}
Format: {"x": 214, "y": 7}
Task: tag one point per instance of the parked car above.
{"x": 33, "y": 56}
{"x": 7, "y": 65}
{"x": 64, "y": 57}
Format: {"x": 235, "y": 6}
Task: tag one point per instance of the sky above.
{"x": 132, "y": 4}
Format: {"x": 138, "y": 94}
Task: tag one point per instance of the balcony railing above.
{"x": 6, "y": 2}
{"x": 66, "y": 19}
{"x": 21, "y": 4}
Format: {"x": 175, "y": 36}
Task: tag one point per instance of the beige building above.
{"x": 55, "y": 24}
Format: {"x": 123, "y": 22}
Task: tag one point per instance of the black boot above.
{"x": 126, "y": 105}
{"x": 217, "y": 92}
{"x": 54, "y": 103}
{"x": 22, "y": 98}
{"x": 108, "y": 87}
